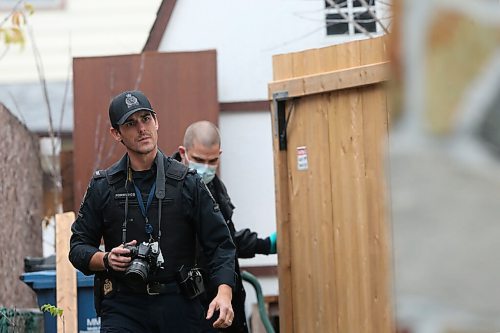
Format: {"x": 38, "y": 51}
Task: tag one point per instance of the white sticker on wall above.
{"x": 302, "y": 158}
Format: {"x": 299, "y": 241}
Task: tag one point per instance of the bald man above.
{"x": 201, "y": 151}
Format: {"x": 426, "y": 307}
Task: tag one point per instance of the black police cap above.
{"x": 125, "y": 104}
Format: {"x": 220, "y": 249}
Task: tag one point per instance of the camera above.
{"x": 144, "y": 262}
{"x": 190, "y": 282}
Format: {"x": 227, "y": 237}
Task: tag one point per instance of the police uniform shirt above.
{"x": 196, "y": 207}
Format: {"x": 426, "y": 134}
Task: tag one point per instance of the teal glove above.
{"x": 272, "y": 238}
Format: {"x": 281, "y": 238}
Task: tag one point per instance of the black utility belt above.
{"x": 188, "y": 282}
{"x": 157, "y": 288}
{"x": 152, "y": 288}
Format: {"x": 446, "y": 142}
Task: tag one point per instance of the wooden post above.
{"x": 66, "y": 283}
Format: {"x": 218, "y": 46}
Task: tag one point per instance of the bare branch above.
{"x": 141, "y": 71}
{"x": 372, "y": 14}
{"x": 332, "y": 3}
{"x": 14, "y": 9}
{"x": 17, "y": 108}
{"x": 65, "y": 95}
{"x": 54, "y": 168}
{"x": 100, "y": 142}
{"x": 7, "y": 47}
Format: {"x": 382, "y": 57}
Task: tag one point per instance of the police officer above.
{"x": 149, "y": 210}
{"x": 201, "y": 151}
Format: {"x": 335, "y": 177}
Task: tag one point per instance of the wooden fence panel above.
{"x": 333, "y": 236}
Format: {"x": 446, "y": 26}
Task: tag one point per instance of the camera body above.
{"x": 144, "y": 262}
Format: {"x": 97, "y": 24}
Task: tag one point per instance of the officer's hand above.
{"x": 119, "y": 258}
{"x": 222, "y": 303}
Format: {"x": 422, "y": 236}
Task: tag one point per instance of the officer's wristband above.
{"x": 105, "y": 259}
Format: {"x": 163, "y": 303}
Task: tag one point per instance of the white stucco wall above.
{"x": 247, "y": 171}
{"x": 246, "y": 34}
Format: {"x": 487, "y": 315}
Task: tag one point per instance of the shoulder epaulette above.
{"x": 176, "y": 170}
{"x": 99, "y": 174}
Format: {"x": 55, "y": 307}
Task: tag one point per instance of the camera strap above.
{"x": 160, "y": 176}
{"x": 127, "y": 181}
{"x": 160, "y": 194}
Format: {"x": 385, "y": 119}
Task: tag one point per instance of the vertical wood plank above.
{"x": 340, "y": 224}
{"x": 281, "y": 68}
{"x": 307, "y": 129}
{"x": 66, "y": 282}
{"x": 341, "y": 234}
{"x": 359, "y": 233}
{"x": 375, "y": 112}
{"x": 379, "y": 231}
{"x": 299, "y": 220}
{"x": 319, "y": 200}
{"x": 345, "y": 170}
{"x": 299, "y": 210}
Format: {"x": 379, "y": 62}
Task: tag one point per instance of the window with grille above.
{"x": 345, "y": 17}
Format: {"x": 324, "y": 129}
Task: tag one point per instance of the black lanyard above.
{"x": 159, "y": 186}
{"x": 144, "y": 210}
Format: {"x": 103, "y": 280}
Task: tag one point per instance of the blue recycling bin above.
{"x": 44, "y": 284}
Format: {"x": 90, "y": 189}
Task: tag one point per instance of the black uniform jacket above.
{"x": 99, "y": 217}
{"x": 248, "y": 244}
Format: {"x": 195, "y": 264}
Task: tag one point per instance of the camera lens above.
{"x": 137, "y": 273}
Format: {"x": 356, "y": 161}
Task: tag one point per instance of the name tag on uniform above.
{"x": 124, "y": 195}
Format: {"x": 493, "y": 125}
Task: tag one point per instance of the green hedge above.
{"x": 21, "y": 320}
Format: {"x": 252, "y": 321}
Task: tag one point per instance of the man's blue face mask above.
{"x": 206, "y": 171}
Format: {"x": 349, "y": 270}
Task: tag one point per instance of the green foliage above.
{"x": 20, "y": 321}
{"x": 55, "y": 312}
{"x": 52, "y": 309}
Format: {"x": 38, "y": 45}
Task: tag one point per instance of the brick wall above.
{"x": 20, "y": 209}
